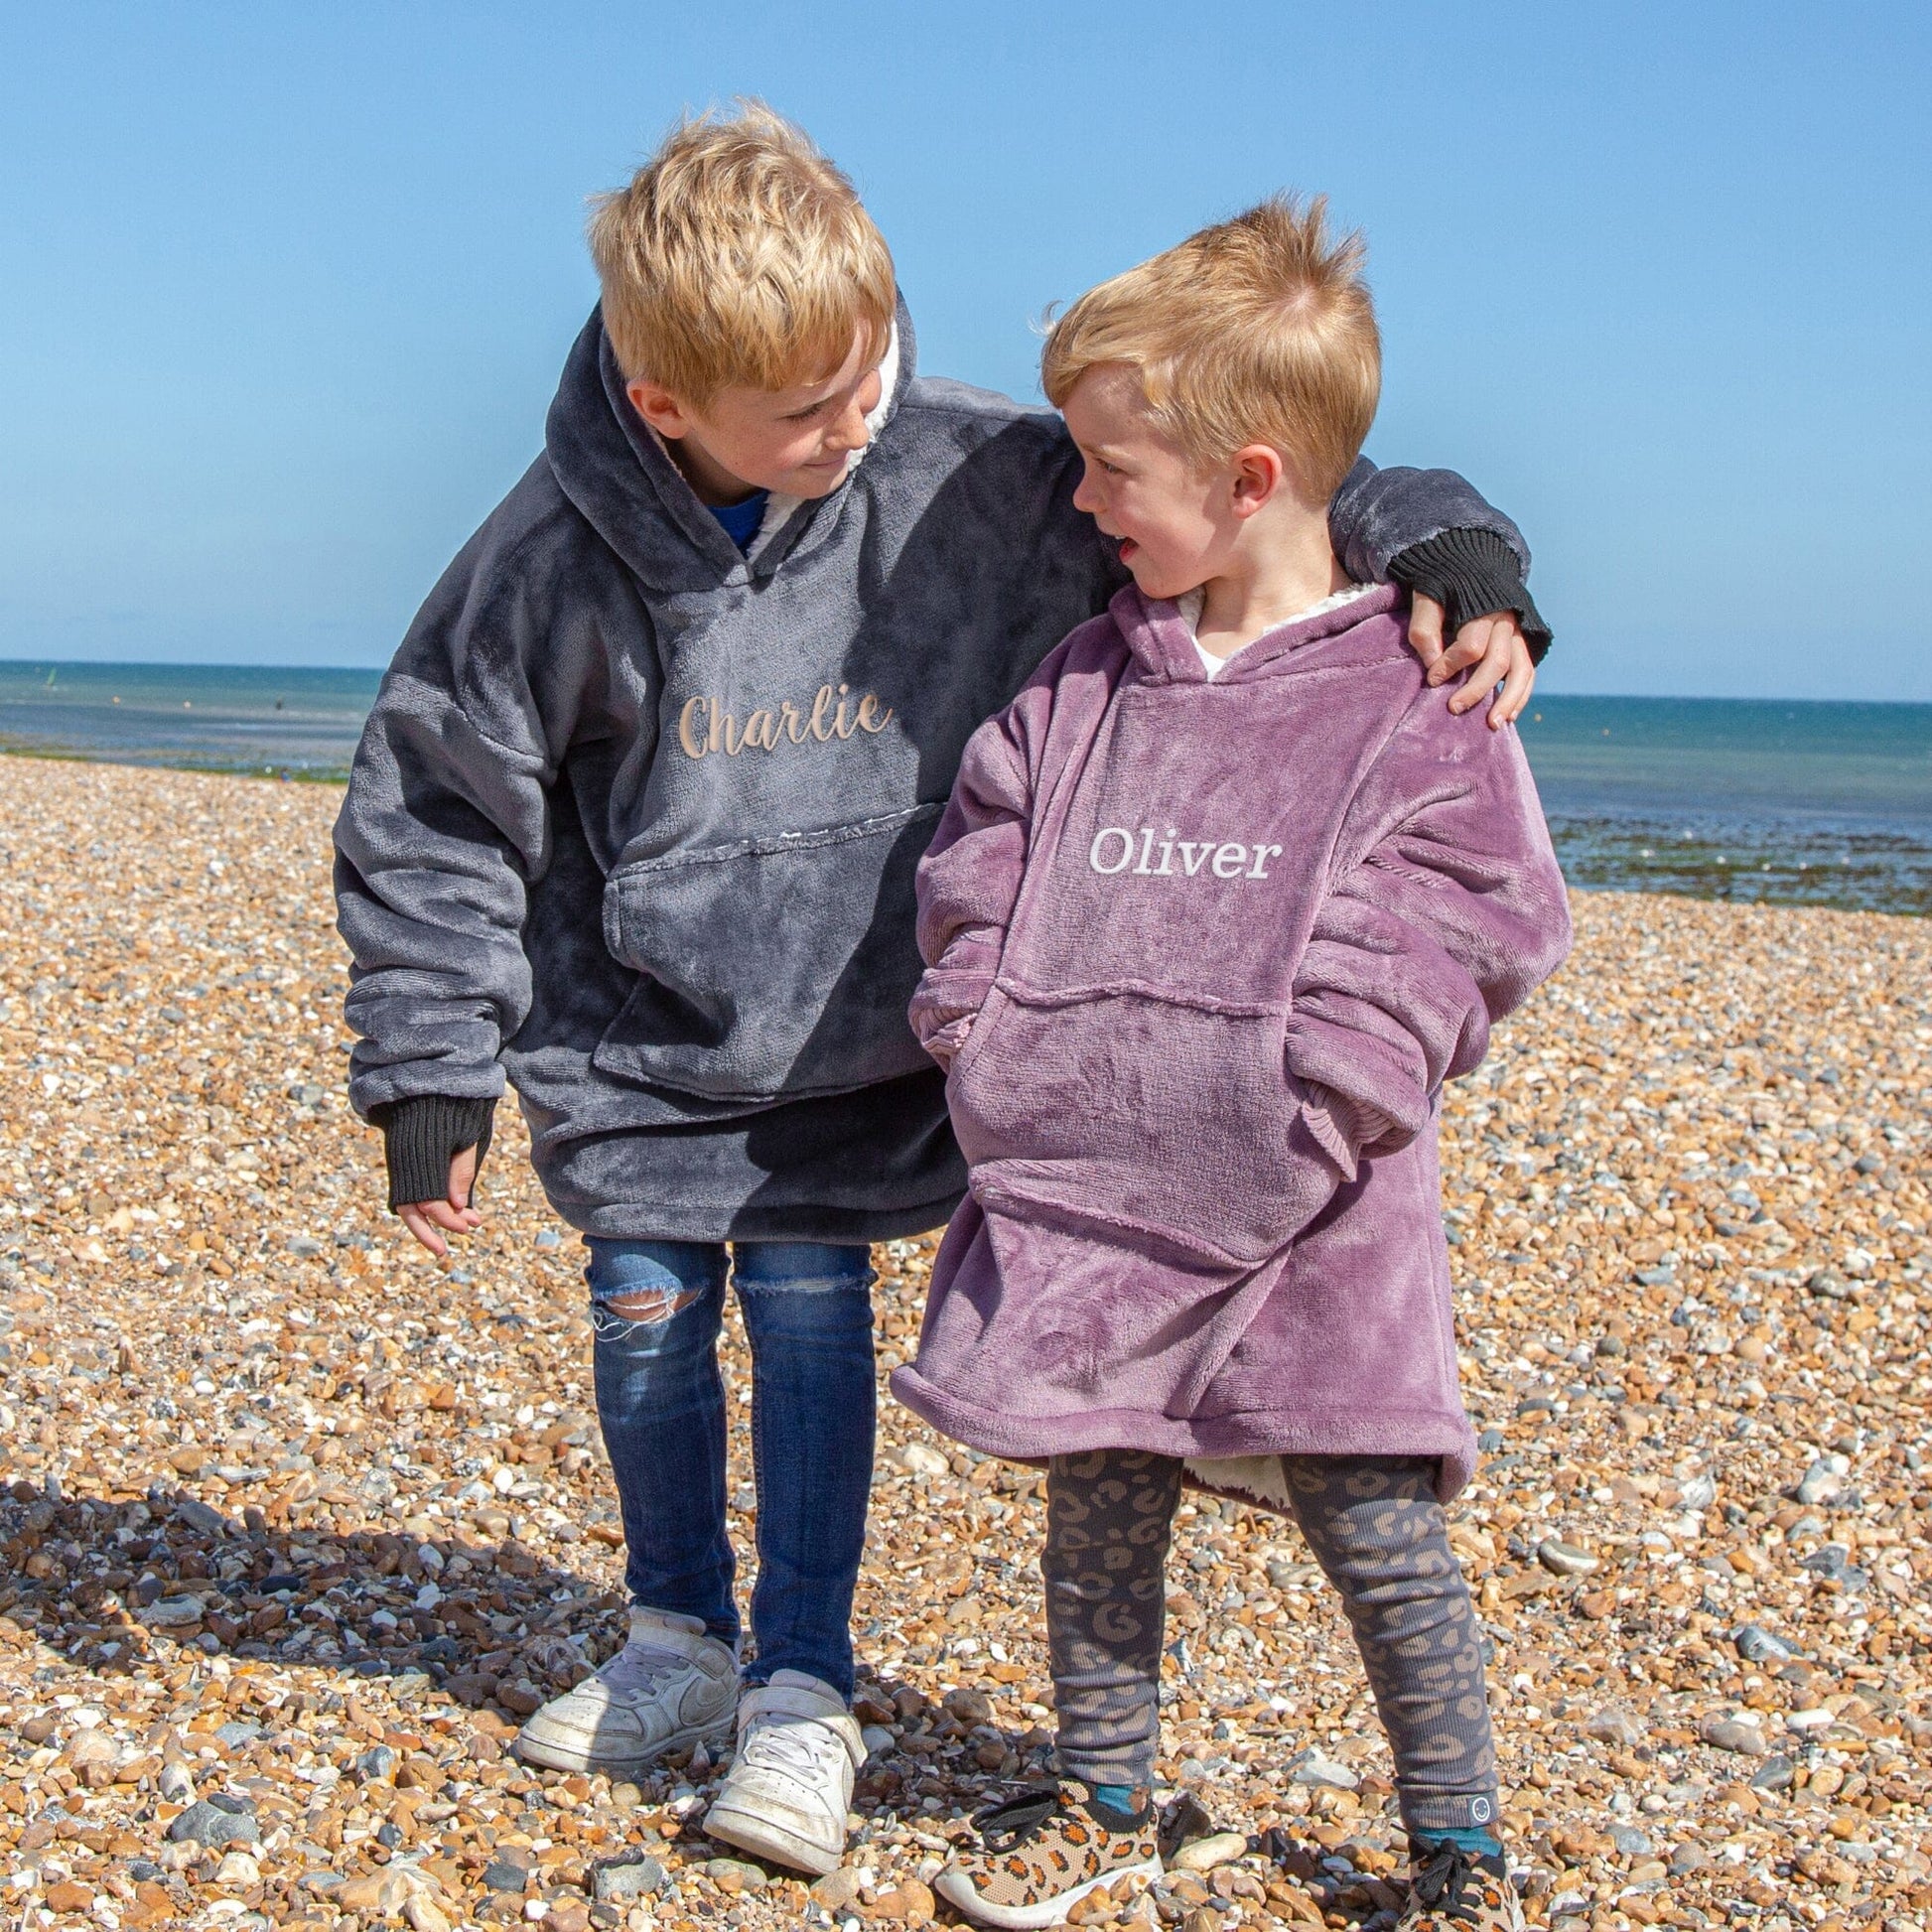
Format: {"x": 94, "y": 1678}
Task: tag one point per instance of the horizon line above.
{"x": 376, "y": 669}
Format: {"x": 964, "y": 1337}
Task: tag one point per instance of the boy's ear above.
{"x": 658, "y": 407}
{"x": 1259, "y": 473}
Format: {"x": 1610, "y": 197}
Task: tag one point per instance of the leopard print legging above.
{"x": 1379, "y": 1535}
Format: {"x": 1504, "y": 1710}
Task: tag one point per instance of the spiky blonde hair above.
{"x": 1258, "y": 329}
{"x": 738, "y": 254}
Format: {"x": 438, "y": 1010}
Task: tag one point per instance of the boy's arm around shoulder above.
{"x": 444, "y": 824}
{"x": 1467, "y": 568}
{"x": 969, "y": 878}
{"x": 1384, "y": 523}
{"x": 1446, "y": 909}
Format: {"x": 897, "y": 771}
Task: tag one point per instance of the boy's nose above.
{"x": 852, "y": 430}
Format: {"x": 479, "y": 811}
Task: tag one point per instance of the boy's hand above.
{"x": 1493, "y": 644}
{"x": 429, "y": 1220}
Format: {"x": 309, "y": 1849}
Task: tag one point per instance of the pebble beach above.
{"x": 298, "y": 1523}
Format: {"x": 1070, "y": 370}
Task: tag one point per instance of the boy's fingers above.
{"x": 412, "y": 1218}
{"x": 1519, "y": 683}
{"x": 1425, "y": 630}
{"x": 463, "y": 1178}
{"x": 1472, "y": 644}
{"x": 1491, "y": 661}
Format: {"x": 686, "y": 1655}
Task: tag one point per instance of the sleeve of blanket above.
{"x": 1377, "y": 514}
{"x": 444, "y": 824}
{"x": 1447, "y": 910}
{"x": 970, "y": 876}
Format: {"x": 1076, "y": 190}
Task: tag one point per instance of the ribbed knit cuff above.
{"x": 422, "y": 1136}
{"x": 1472, "y": 573}
{"x": 1324, "y": 1114}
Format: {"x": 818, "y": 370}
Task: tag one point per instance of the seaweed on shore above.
{"x": 1855, "y": 868}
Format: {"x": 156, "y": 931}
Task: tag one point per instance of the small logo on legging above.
{"x": 1480, "y": 1810}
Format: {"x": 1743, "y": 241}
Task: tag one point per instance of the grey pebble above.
{"x": 1311, "y": 1768}
{"x": 1824, "y": 1481}
{"x": 505, "y": 1874}
{"x": 1757, "y": 1645}
{"x": 1699, "y": 1493}
{"x": 1630, "y": 1842}
{"x": 1565, "y": 1559}
{"x": 625, "y": 1878}
{"x": 211, "y": 1822}
{"x": 1615, "y": 1726}
{"x": 198, "y": 1515}
{"x": 1286, "y": 1574}
{"x": 1733, "y": 1735}
{"x": 171, "y": 1612}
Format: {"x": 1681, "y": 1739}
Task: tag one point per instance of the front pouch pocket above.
{"x": 1141, "y": 1117}
{"x": 776, "y": 966}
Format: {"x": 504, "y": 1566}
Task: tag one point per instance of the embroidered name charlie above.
{"x": 1112, "y": 849}
{"x": 704, "y": 725}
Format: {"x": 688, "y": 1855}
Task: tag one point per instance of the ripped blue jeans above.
{"x": 656, "y": 1308}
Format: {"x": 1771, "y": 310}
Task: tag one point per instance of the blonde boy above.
{"x": 1219, "y": 902}
{"x": 634, "y": 826}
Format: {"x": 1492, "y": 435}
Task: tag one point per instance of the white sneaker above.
{"x": 790, "y": 1787}
{"x": 671, "y": 1687}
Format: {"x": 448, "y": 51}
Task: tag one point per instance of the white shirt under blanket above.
{"x": 1192, "y": 604}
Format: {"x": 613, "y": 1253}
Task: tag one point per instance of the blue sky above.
{"x": 284, "y": 291}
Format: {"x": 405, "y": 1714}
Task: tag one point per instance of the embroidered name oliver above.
{"x": 1113, "y": 846}
{"x": 705, "y": 726}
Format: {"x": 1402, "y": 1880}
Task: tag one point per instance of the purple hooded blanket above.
{"x": 1200, "y": 956}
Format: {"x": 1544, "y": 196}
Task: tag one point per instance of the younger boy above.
{"x": 634, "y": 822}
{"x": 1218, "y": 904}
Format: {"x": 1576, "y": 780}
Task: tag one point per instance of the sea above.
{"x": 1762, "y": 801}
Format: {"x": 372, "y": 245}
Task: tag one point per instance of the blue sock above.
{"x": 1473, "y": 1839}
{"x": 1116, "y": 1797}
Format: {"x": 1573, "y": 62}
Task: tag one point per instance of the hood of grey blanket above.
{"x": 715, "y": 776}
{"x": 617, "y": 473}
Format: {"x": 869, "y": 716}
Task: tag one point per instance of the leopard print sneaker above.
{"x": 1041, "y": 1852}
{"x": 1453, "y": 1891}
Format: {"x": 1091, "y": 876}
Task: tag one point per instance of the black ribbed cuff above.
{"x": 422, "y": 1136}
{"x": 1472, "y": 573}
